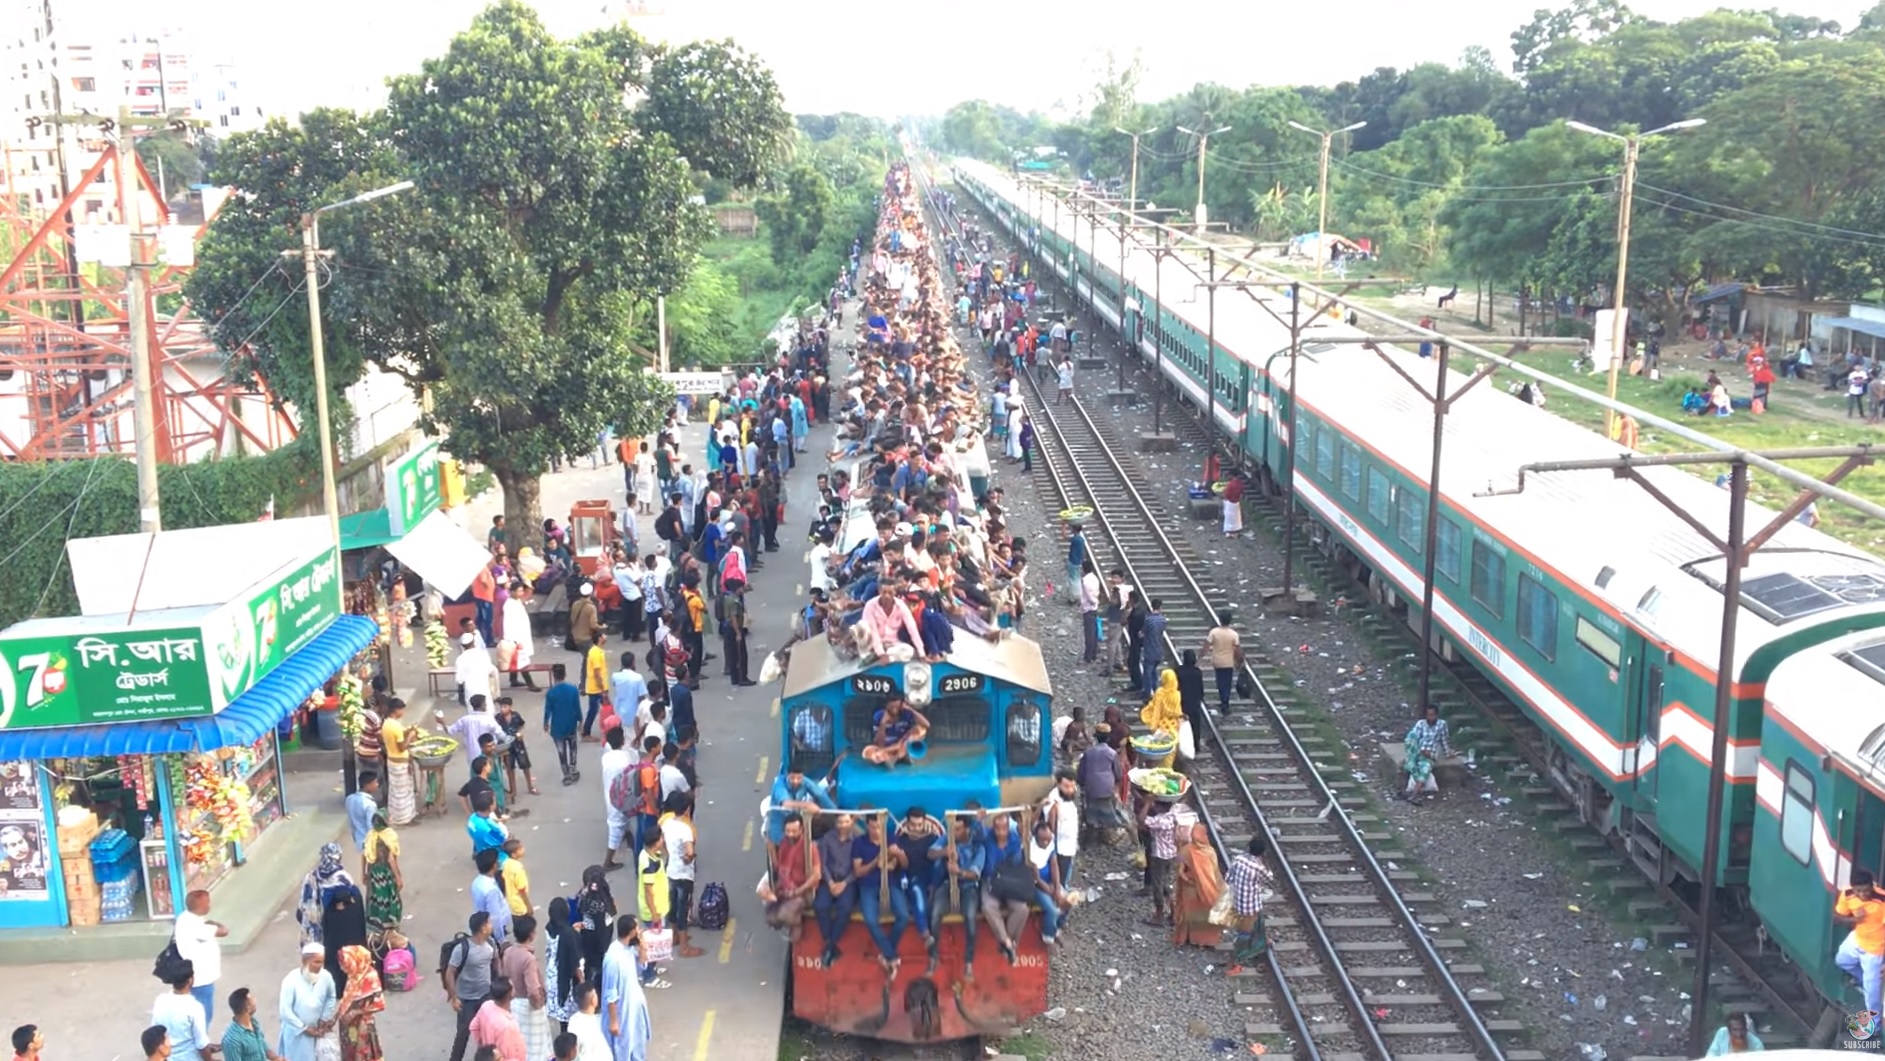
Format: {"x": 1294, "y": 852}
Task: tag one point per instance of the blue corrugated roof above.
{"x": 244, "y": 721}
{"x": 1855, "y": 324}
{"x": 1718, "y": 291}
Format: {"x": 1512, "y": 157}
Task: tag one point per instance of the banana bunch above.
{"x": 437, "y": 649}
{"x": 232, "y": 809}
{"x": 385, "y": 620}
{"x": 352, "y": 706}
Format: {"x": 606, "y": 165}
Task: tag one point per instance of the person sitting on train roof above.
{"x": 893, "y": 728}
{"x": 885, "y": 619}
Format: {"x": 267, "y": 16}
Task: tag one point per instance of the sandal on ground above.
{"x": 658, "y": 984}
{"x": 691, "y": 952}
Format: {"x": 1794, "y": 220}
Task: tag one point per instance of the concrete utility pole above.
{"x": 1132, "y": 185}
{"x": 138, "y": 323}
{"x": 1322, "y": 187}
{"x": 1626, "y": 195}
{"x": 1204, "y": 140}
{"x": 310, "y": 255}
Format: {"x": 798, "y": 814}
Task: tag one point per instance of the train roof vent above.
{"x": 1871, "y": 748}
{"x": 1871, "y": 660}
{"x": 1853, "y": 589}
{"x": 1651, "y": 598}
{"x": 1604, "y": 577}
{"x": 1786, "y": 597}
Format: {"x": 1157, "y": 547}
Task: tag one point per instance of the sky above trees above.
{"x": 342, "y": 56}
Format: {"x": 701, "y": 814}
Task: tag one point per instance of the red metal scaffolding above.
{"x": 65, "y": 359}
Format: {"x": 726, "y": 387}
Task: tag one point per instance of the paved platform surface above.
{"x": 727, "y": 1004}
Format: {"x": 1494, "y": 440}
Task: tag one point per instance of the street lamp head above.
{"x": 1184, "y": 130}
{"x": 1148, "y": 132}
{"x": 367, "y": 197}
{"x": 1592, "y": 130}
{"x": 1293, "y": 124}
{"x": 1678, "y": 126}
{"x": 1350, "y": 128}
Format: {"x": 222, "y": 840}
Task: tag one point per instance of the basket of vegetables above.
{"x": 1159, "y": 782}
{"x": 1076, "y": 514}
{"x": 1156, "y": 748}
{"x": 433, "y": 750}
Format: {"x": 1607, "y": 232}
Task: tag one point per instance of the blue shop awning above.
{"x": 1855, "y": 324}
{"x": 364, "y": 530}
{"x": 244, "y": 721}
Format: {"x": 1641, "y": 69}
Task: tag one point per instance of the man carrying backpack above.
{"x": 465, "y": 970}
{"x": 635, "y": 794}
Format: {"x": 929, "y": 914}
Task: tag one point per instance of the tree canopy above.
{"x": 556, "y": 197}
{"x": 1468, "y": 172}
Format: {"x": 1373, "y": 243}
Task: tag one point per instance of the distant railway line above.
{"x": 1353, "y": 941}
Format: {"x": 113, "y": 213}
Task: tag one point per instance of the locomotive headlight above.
{"x": 916, "y": 687}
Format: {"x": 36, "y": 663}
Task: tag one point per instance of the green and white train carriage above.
{"x": 1596, "y": 609}
{"x": 1820, "y": 797}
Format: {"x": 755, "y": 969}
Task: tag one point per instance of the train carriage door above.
{"x": 1644, "y": 666}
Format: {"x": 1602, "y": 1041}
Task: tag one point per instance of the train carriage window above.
{"x": 1410, "y": 512}
{"x": 1378, "y": 496}
{"x": 1489, "y": 579}
{"x": 1351, "y": 472}
{"x": 1325, "y": 452}
{"x": 1024, "y": 733}
{"x": 1538, "y": 616}
{"x": 1796, "y": 814}
{"x": 813, "y": 739}
{"x": 1446, "y": 558}
{"x": 1599, "y": 643}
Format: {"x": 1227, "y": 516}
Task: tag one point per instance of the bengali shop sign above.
{"x": 249, "y": 637}
{"x": 412, "y": 488}
{"x": 76, "y": 678}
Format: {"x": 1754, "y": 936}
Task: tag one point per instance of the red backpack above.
{"x": 637, "y": 790}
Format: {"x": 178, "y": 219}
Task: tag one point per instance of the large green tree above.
{"x": 554, "y": 201}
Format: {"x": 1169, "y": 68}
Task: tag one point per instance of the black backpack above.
{"x": 712, "y": 914}
{"x": 451, "y": 948}
{"x": 169, "y": 962}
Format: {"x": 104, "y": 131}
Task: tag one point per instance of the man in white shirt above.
{"x": 615, "y": 762}
{"x": 672, "y": 780}
{"x": 677, "y": 831}
{"x": 473, "y": 670}
{"x": 1090, "y": 615}
{"x": 196, "y": 937}
{"x": 820, "y": 561}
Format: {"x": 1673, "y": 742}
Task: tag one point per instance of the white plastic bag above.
{"x": 1187, "y": 744}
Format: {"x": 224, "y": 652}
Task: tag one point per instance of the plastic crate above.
{"x": 112, "y": 845}
{"x": 115, "y": 871}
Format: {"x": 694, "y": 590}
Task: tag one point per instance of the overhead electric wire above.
{"x": 1573, "y": 183}
{"x": 1757, "y": 214}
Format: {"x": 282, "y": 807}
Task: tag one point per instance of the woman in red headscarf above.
{"x": 359, "y": 1006}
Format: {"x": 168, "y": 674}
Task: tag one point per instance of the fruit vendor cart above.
{"x": 139, "y": 756}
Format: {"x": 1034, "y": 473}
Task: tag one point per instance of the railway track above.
{"x": 1355, "y": 971}
{"x": 1760, "y": 982}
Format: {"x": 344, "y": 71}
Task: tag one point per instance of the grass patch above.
{"x": 796, "y": 1042}
{"x": 1029, "y": 1045}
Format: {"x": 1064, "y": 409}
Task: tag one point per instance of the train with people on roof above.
{"x": 1594, "y": 608}
{"x": 983, "y": 752}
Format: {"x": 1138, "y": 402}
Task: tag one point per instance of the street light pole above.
{"x": 1204, "y": 139}
{"x": 138, "y": 334}
{"x": 1132, "y": 185}
{"x": 1322, "y": 187}
{"x": 310, "y": 253}
{"x": 1626, "y": 195}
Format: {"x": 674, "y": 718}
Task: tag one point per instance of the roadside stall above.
{"x": 138, "y": 739}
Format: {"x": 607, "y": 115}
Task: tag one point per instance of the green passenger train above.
{"x": 1590, "y": 605}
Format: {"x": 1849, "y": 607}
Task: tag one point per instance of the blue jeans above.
{"x": 595, "y": 708}
{"x": 833, "y": 912}
{"x": 483, "y": 621}
{"x": 969, "y": 905}
{"x": 870, "y": 904}
{"x": 1863, "y": 966}
{"x": 647, "y": 831}
{"x": 1050, "y": 915}
{"x": 1226, "y": 681}
{"x": 916, "y": 899}
{"x": 206, "y": 994}
{"x": 1066, "y": 870}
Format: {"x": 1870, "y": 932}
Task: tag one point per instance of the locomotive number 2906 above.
{"x": 961, "y": 683}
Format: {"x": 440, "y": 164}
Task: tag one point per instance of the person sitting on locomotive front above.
{"x": 895, "y": 726}
{"x": 793, "y": 792}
